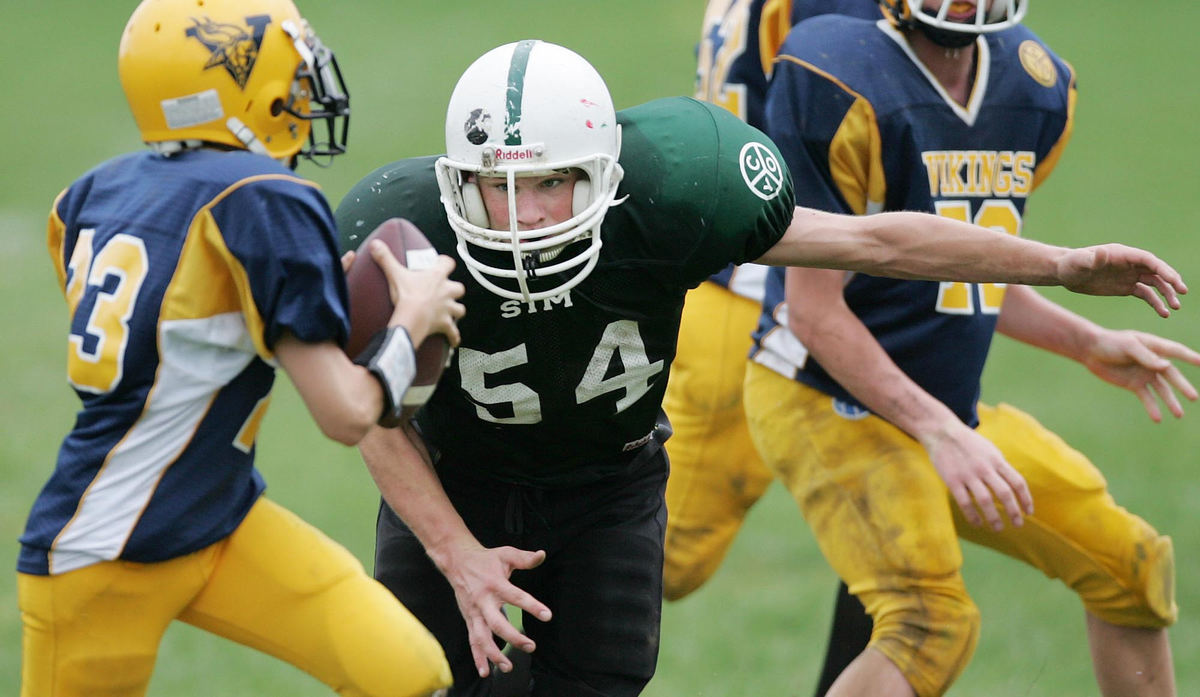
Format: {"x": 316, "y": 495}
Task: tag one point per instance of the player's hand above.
{"x": 978, "y": 476}
{"x": 1141, "y": 363}
{"x": 1114, "y": 269}
{"x": 480, "y": 578}
{"x": 348, "y": 261}
{"x": 426, "y": 301}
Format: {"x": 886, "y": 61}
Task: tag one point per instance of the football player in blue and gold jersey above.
{"x": 716, "y": 473}
{"x": 191, "y": 270}
{"x": 535, "y": 474}
{"x": 863, "y": 391}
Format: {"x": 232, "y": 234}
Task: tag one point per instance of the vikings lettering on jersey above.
{"x": 858, "y": 142}
{"x": 562, "y": 390}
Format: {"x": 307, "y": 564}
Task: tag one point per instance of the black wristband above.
{"x": 390, "y": 358}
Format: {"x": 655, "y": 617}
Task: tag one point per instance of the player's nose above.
{"x": 531, "y": 214}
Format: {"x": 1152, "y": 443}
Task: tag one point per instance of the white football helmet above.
{"x": 529, "y": 108}
{"x": 999, "y": 14}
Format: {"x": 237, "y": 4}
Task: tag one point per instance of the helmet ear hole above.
{"x": 473, "y": 209}
{"x": 581, "y": 198}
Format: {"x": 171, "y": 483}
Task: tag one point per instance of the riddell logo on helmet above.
{"x": 522, "y": 154}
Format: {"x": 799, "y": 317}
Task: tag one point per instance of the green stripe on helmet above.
{"x": 516, "y": 92}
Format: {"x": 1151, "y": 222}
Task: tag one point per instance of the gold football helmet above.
{"x": 246, "y": 74}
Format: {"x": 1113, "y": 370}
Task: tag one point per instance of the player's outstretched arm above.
{"x": 1139, "y": 362}
{"x": 925, "y": 246}
{"x": 479, "y": 575}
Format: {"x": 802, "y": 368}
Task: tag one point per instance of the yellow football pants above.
{"x": 276, "y": 584}
{"x": 887, "y": 525}
{"x": 716, "y": 473}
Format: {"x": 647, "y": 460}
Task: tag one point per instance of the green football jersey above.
{"x": 565, "y": 390}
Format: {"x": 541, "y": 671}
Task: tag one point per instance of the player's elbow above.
{"x": 349, "y": 425}
{"x": 346, "y": 434}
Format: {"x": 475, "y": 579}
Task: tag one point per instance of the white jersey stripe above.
{"x": 199, "y": 357}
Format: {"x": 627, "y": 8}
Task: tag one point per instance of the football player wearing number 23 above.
{"x": 191, "y": 269}
{"x": 534, "y": 476}
{"x": 863, "y": 391}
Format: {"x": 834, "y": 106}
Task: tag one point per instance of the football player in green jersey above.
{"x": 534, "y": 476}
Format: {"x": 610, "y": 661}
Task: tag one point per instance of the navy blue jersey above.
{"x": 566, "y": 390}
{"x": 739, "y": 41}
{"x": 180, "y": 274}
{"x": 734, "y": 58}
{"x": 860, "y": 140}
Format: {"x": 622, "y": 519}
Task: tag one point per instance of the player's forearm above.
{"x": 848, "y": 351}
{"x": 880, "y": 385}
{"x": 1032, "y": 319}
{"x": 343, "y": 398}
{"x": 914, "y": 245}
{"x": 411, "y": 488}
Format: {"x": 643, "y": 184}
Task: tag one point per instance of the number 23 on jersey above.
{"x": 102, "y": 290}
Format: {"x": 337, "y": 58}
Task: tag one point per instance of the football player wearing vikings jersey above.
{"x": 534, "y": 475}
{"x": 190, "y": 271}
{"x": 863, "y": 391}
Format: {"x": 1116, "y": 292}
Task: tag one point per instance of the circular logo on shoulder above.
{"x": 761, "y": 170}
{"x": 1037, "y": 63}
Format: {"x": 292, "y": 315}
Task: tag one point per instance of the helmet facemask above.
{"x": 318, "y": 95}
{"x": 559, "y": 117}
{"x": 947, "y": 32}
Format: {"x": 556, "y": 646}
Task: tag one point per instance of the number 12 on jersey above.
{"x": 959, "y": 298}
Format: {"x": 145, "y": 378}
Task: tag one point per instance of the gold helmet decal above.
{"x": 233, "y": 47}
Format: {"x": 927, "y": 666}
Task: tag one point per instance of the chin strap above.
{"x": 246, "y": 136}
{"x": 947, "y": 38}
{"x": 167, "y": 148}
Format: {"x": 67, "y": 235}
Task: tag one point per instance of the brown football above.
{"x": 371, "y": 304}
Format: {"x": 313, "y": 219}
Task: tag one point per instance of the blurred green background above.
{"x": 1130, "y": 175}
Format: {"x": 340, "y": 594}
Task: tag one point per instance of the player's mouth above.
{"x": 961, "y": 11}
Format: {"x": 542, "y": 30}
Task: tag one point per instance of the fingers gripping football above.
{"x": 398, "y": 280}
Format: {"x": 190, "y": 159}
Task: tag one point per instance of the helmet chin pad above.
{"x": 476, "y": 213}
{"x": 947, "y": 38}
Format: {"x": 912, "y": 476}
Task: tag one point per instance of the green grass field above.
{"x": 758, "y": 628}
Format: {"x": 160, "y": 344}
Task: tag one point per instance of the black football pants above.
{"x": 602, "y": 578}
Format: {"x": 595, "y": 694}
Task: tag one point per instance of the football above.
{"x": 371, "y": 304}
